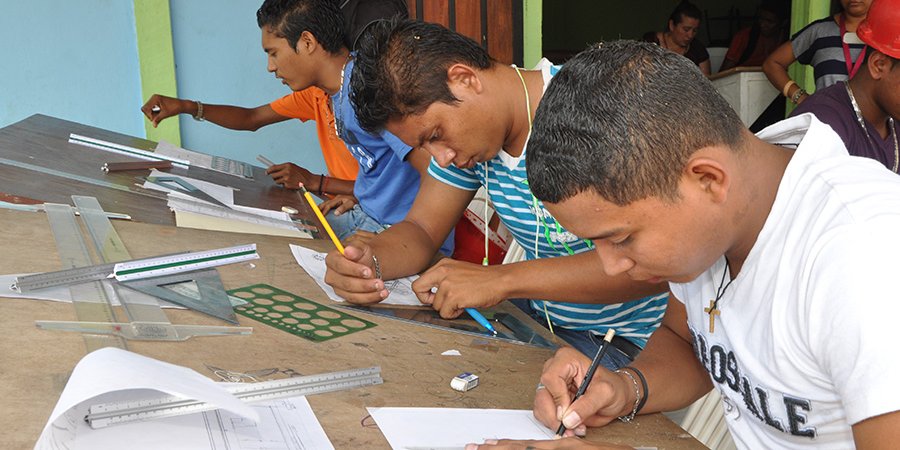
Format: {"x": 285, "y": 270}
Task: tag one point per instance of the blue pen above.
{"x": 475, "y": 315}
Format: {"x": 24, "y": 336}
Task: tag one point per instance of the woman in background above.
{"x": 684, "y": 22}
{"x": 752, "y": 45}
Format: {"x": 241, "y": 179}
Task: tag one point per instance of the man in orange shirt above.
{"x": 308, "y": 104}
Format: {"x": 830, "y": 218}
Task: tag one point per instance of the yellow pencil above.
{"x": 315, "y": 208}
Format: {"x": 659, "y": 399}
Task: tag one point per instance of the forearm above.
{"x": 671, "y": 352}
{"x": 576, "y": 279}
{"x": 232, "y": 117}
{"x": 403, "y": 249}
{"x": 336, "y": 186}
{"x": 776, "y": 65}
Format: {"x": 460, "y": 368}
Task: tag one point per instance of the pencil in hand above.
{"x": 607, "y": 341}
{"x": 315, "y": 208}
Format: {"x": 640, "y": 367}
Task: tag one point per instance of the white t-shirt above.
{"x": 804, "y": 346}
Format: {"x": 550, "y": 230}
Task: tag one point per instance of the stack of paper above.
{"x": 113, "y": 375}
{"x": 192, "y": 212}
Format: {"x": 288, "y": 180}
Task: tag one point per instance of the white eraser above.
{"x": 464, "y": 382}
{"x": 289, "y": 210}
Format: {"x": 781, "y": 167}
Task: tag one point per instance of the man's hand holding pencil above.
{"x": 609, "y": 396}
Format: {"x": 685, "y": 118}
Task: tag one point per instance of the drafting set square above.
{"x": 135, "y": 284}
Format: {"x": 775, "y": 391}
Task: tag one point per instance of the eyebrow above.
{"x": 607, "y": 234}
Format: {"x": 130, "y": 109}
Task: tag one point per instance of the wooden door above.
{"x": 495, "y": 24}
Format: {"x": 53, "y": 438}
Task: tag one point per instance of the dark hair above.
{"x": 290, "y": 18}
{"x": 685, "y": 9}
{"x": 401, "y": 69}
{"x": 359, "y": 15}
{"x": 622, "y": 119}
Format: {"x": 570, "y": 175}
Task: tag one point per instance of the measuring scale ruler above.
{"x": 104, "y": 415}
{"x": 92, "y": 287}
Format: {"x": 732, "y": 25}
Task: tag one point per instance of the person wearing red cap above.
{"x": 863, "y": 110}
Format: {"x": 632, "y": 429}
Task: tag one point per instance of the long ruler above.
{"x": 125, "y": 150}
{"x": 103, "y": 415}
{"x": 89, "y": 299}
{"x": 80, "y": 178}
{"x": 138, "y": 268}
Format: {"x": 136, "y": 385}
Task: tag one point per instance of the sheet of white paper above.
{"x": 400, "y": 290}
{"x": 221, "y": 193}
{"x": 286, "y": 424}
{"x": 455, "y": 427}
{"x": 129, "y": 376}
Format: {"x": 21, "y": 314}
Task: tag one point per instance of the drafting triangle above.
{"x": 213, "y": 299}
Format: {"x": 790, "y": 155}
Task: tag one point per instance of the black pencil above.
{"x": 607, "y": 340}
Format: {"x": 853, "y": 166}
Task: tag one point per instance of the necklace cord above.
{"x": 537, "y": 220}
{"x": 720, "y": 292}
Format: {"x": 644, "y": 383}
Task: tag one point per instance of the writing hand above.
{"x": 352, "y": 275}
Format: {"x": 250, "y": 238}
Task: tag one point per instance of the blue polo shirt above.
{"x": 386, "y": 185}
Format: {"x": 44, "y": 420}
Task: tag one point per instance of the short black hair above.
{"x": 685, "y": 9}
{"x": 401, "y": 69}
{"x": 290, "y": 18}
{"x": 622, "y": 119}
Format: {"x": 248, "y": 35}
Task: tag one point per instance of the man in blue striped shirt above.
{"x": 438, "y": 90}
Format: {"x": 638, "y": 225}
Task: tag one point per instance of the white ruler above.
{"x": 138, "y": 268}
{"x": 104, "y": 415}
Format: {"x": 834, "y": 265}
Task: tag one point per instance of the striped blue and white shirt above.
{"x": 533, "y": 226}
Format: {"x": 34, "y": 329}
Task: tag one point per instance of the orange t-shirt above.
{"x": 312, "y": 103}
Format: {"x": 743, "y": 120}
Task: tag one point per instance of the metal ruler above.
{"x": 103, "y": 415}
{"x": 139, "y": 268}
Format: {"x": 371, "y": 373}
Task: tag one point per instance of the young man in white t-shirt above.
{"x": 781, "y": 252}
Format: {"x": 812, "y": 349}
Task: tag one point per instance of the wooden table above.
{"x": 43, "y": 141}
{"x": 35, "y": 364}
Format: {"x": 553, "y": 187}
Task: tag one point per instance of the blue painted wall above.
{"x": 219, "y": 60}
{"x": 78, "y": 61}
{"x": 72, "y": 60}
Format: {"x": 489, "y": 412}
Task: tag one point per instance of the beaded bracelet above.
{"x": 199, "y": 116}
{"x": 797, "y": 94}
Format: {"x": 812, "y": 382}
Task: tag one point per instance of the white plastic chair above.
{"x": 705, "y": 420}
